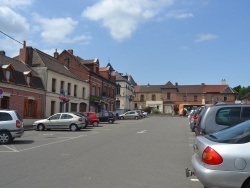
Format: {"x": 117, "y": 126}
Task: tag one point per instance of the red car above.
{"x": 93, "y": 119}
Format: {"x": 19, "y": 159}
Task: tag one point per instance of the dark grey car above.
{"x": 218, "y": 117}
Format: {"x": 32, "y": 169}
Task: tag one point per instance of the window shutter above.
{"x": 35, "y": 109}
{"x": 26, "y": 108}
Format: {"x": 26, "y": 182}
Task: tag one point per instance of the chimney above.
{"x": 56, "y": 54}
{"x": 70, "y": 51}
{"x": 66, "y": 62}
{"x": 2, "y": 53}
{"x": 223, "y": 82}
{"x": 203, "y": 84}
{"x": 176, "y": 83}
{"x": 26, "y": 54}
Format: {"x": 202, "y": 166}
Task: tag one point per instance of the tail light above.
{"x": 18, "y": 124}
{"x": 80, "y": 119}
{"x": 211, "y": 157}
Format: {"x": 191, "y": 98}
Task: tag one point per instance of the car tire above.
{"x": 95, "y": 124}
{"x": 5, "y": 137}
{"x": 40, "y": 127}
{"x": 111, "y": 121}
{"x": 122, "y": 118}
{"x": 74, "y": 127}
{"x": 246, "y": 184}
{"x": 136, "y": 117}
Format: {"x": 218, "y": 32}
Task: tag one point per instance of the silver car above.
{"x": 222, "y": 159}
{"x": 130, "y": 115}
{"x": 70, "y": 121}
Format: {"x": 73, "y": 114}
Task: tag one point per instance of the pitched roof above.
{"x": 148, "y": 88}
{"x": 19, "y": 68}
{"x": 41, "y": 59}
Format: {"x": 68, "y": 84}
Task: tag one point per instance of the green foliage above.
{"x": 155, "y": 111}
{"x": 237, "y": 88}
{"x": 242, "y": 90}
{"x": 147, "y": 109}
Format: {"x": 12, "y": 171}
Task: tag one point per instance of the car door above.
{"x": 130, "y": 115}
{"x": 101, "y": 116}
{"x": 65, "y": 120}
{"x": 53, "y": 121}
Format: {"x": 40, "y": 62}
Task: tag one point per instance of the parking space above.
{"x": 33, "y": 139}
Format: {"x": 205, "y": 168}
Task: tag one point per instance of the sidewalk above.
{"x": 28, "y": 127}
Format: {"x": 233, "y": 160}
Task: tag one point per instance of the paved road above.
{"x": 146, "y": 153}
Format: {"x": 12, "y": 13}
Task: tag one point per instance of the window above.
{"x": 168, "y": 95}
{"x": 55, "y": 117}
{"x": 195, "y": 97}
{"x": 66, "y": 116}
{"x": 228, "y": 116}
{"x": 118, "y": 89}
{"x": 185, "y": 97}
{"x": 93, "y": 89}
{"x": 52, "y": 107}
{"x": 7, "y": 75}
{"x": 69, "y": 88}
{"x": 99, "y": 91}
{"x": 225, "y": 98}
{"x": 73, "y": 107}
{"x": 75, "y": 90}
{"x": 142, "y": 98}
{"x": 153, "y": 97}
{"x": 5, "y": 116}
{"x": 30, "y": 108}
{"x": 83, "y": 92}
{"x": 5, "y": 101}
{"x": 212, "y": 99}
{"x": 53, "y": 85}
{"x": 245, "y": 114}
{"x": 62, "y": 87}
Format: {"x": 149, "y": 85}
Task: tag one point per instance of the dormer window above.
{"x": 7, "y": 72}
{"x": 28, "y": 76}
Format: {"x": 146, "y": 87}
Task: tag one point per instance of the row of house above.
{"x": 38, "y": 85}
{"x": 166, "y": 98}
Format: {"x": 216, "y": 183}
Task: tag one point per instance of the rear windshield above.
{"x": 237, "y": 134}
{"x": 18, "y": 116}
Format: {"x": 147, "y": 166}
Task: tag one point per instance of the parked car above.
{"x": 195, "y": 117}
{"x": 222, "y": 159}
{"x": 11, "y": 126}
{"x": 61, "y": 121}
{"x": 218, "y": 117}
{"x": 93, "y": 119}
{"x": 106, "y": 116}
{"x": 144, "y": 114}
{"x": 130, "y": 115}
{"x": 84, "y": 116}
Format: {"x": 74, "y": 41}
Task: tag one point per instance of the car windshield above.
{"x": 239, "y": 133}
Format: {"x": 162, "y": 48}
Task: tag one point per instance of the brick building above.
{"x": 101, "y": 81}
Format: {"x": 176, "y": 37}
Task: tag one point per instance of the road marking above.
{"x": 190, "y": 144}
{"x": 194, "y": 179}
{"x": 52, "y": 143}
{"x": 12, "y": 149}
{"x": 144, "y": 131}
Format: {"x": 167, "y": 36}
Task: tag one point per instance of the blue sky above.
{"x": 155, "y": 41}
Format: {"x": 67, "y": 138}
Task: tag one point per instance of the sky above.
{"x": 188, "y": 42}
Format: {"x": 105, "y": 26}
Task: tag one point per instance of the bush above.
{"x": 155, "y": 111}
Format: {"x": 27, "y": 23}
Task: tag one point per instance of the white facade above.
{"x": 155, "y": 104}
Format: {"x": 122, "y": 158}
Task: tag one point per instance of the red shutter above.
{"x": 26, "y": 108}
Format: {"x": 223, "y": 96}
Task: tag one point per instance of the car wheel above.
{"x": 95, "y": 123}
{"x": 5, "y": 137}
{"x": 73, "y": 127}
{"x": 40, "y": 127}
{"x": 122, "y": 118}
{"x": 136, "y": 117}
{"x": 110, "y": 121}
{"x": 246, "y": 184}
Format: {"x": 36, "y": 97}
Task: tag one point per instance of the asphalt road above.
{"x": 147, "y": 153}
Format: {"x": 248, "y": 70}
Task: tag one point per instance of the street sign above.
{"x": 1, "y": 91}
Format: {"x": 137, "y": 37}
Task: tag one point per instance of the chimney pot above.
{"x": 2, "y": 53}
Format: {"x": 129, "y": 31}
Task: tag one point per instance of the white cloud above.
{"x": 12, "y": 22}
{"x": 16, "y": 3}
{"x": 179, "y": 15}
{"x": 59, "y": 30}
{"x": 122, "y": 18}
{"x": 205, "y": 37}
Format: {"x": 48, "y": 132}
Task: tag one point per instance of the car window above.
{"x": 245, "y": 114}
{"x": 228, "y": 116}
{"x": 106, "y": 114}
{"x": 66, "y": 116}
{"x": 239, "y": 133}
{"x": 55, "y": 117}
{"x": 5, "y": 116}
